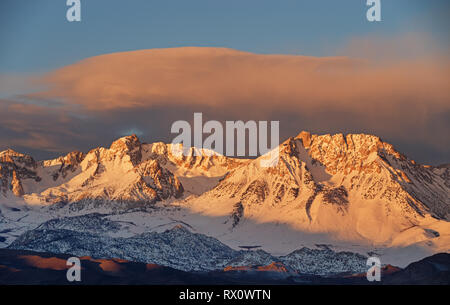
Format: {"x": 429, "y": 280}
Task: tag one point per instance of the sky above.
{"x": 388, "y": 78}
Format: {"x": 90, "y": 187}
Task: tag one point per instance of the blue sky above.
{"x": 35, "y": 36}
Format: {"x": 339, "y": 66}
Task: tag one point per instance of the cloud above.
{"x": 403, "y": 99}
{"x": 34, "y": 126}
{"x": 224, "y": 77}
{"x": 12, "y": 84}
{"x": 385, "y": 50}
{"x": 200, "y": 76}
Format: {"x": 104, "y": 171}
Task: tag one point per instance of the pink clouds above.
{"x": 389, "y": 96}
{"x": 226, "y": 78}
{"x": 405, "y": 99}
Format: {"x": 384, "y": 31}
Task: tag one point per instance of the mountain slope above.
{"x": 177, "y": 247}
{"x": 433, "y": 270}
{"x": 353, "y": 188}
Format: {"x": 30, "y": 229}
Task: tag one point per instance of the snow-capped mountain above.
{"x": 355, "y": 193}
{"x": 116, "y": 174}
{"x": 128, "y": 171}
{"x": 354, "y": 188}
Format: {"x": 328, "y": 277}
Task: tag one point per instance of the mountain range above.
{"x": 327, "y": 204}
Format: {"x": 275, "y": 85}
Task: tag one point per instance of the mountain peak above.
{"x": 305, "y": 136}
{"x": 9, "y": 152}
{"x": 179, "y": 228}
{"x": 12, "y": 153}
{"x": 126, "y": 143}
{"x": 12, "y": 156}
{"x": 129, "y": 145}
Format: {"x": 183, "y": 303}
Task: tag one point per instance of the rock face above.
{"x": 64, "y": 165}
{"x": 15, "y": 167}
{"x": 20, "y": 174}
{"x": 16, "y": 185}
{"x": 362, "y": 157}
